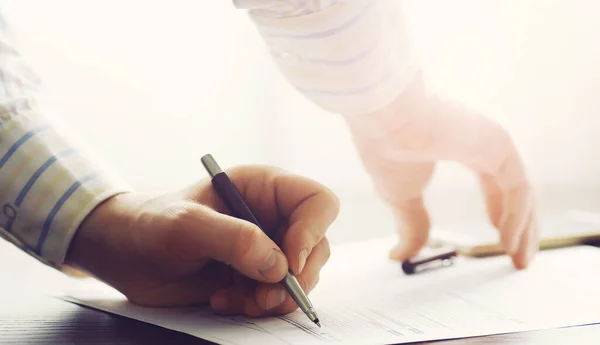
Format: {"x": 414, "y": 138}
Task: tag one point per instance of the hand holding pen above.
{"x": 186, "y": 247}
{"x": 299, "y": 225}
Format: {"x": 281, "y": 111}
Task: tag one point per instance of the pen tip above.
{"x": 317, "y": 323}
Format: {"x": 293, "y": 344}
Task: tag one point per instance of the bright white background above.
{"x": 153, "y": 85}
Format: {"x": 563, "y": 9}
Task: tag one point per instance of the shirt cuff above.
{"x": 47, "y": 187}
{"x": 349, "y": 57}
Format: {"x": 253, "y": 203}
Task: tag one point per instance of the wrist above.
{"x": 391, "y": 120}
{"x": 95, "y": 239}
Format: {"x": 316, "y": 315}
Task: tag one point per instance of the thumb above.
{"x": 202, "y": 232}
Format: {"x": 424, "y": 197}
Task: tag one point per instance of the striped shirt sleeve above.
{"x": 47, "y": 186}
{"x": 347, "y": 56}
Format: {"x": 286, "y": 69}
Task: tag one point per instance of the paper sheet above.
{"x": 363, "y": 297}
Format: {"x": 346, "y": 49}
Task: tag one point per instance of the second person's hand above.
{"x": 400, "y": 145}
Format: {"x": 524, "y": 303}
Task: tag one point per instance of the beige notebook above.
{"x": 564, "y": 229}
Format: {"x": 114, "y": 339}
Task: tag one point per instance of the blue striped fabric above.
{"x": 350, "y": 57}
{"x": 18, "y": 144}
{"x": 29, "y": 184}
{"x": 63, "y": 199}
{"x": 39, "y": 172}
{"x": 47, "y": 187}
{"x": 364, "y": 11}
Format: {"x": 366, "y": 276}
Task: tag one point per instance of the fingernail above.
{"x": 271, "y": 268}
{"x": 397, "y": 253}
{"x": 274, "y": 298}
{"x": 302, "y": 259}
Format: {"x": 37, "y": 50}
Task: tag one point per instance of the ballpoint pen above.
{"x": 234, "y": 200}
{"x": 437, "y": 258}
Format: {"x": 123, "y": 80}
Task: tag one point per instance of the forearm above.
{"x": 47, "y": 186}
{"x": 354, "y": 58}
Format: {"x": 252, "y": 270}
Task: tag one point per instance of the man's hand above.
{"x": 400, "y": 145}
{"x": 183, "y": 248}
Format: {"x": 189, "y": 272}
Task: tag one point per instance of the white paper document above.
{"x": 363, "y": 297}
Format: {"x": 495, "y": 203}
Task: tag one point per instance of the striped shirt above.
{"x": 47, "y": 186}
{"x": 348, "y": 56}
